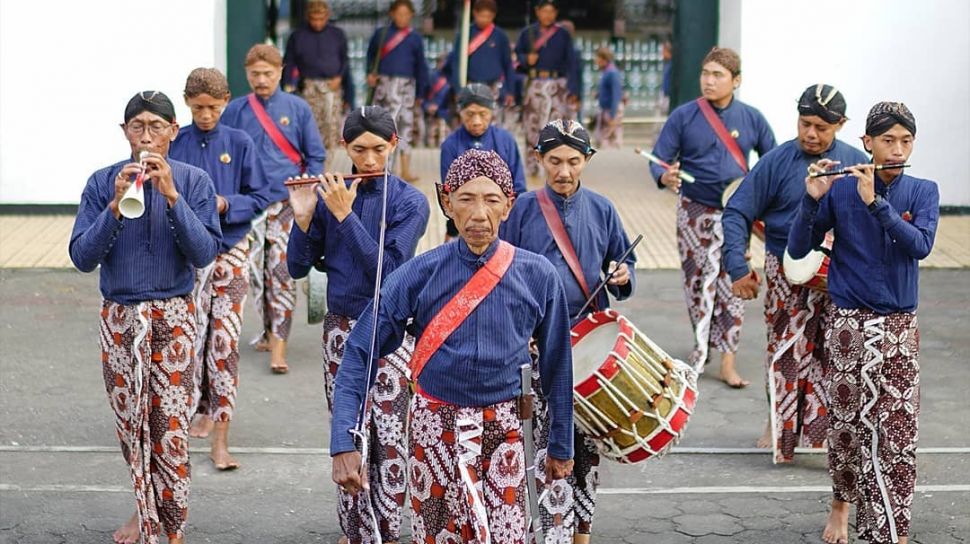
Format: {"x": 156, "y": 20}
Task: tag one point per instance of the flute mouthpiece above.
{"x": 142, "y": 155}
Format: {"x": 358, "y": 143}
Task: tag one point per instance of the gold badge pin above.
{"x": 284, "y": 120}
{"x": 225, "y": 158}
{"x": 735, "y": 134}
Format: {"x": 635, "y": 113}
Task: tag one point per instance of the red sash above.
{"x": 722, "y": 133}
{"x": 456, "y": 310}
{"x": 480, "y": 38}
{"x": 395, "y": 41}
{"x": 438, "y": 85}
{"x": 561, "y": 237}
{"x": 544, "y": 37}
{"x": 274, "y": 133}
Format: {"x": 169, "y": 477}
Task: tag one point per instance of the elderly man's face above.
{"x": 264, "y": 78}
{"x": 476, "y": 119}
{"x": 564, "y": 166}
{"x": 478, "y": 208}
{"x": 149, "y": 132}
{"x": 815, "y": 135}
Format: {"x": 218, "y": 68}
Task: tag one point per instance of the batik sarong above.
{"x": 715, "y": 313}
{"x": 466, "y": 472}
{"x": 327, "y": 106}
{"x": 396, "y": 95}
{"x": 274, "y": 291}
{"x": 387, "y": 428}
{"x": 874, "y": 407}
{"x": 146, "y": 355}
{"x": 545, "y": 100}
{"x": 609, "y": 130}
{"x": 219, "y": 295}
{"x": 795, "y": 363}
{"x": 569, "y": 504}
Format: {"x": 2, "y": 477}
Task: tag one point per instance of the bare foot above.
{"x": 128, "y": 533}
{"x": 201, "y": 427}
{"x": 262, "y": 344}
{"x": 277, "y": 357}
{"x": 765, "y": 440}
{"x": 219, "y": 452}
{"x": 729, "y": 373}
{"x": 176, "y": 540}
{"x": 837, "y": 527}
{"x": 343, "y": 540}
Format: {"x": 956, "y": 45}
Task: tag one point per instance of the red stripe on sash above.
{"x": 545, "y": 37}
{"x": 274, "y": 133}
{"x": 480, "y": 38}
{"x": 561, "y": 237}
{"x": 722, "y": 133}
{"x": 456, "y": 310}
{"x": 395, "y": 41}
{"x": 438, "y": 85}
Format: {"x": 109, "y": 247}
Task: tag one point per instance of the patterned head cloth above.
{"x": 476, "y": 163}
{"x": 824, "y": 101}
{"x": 884, "y": 115}
{"x": 153, "y": 102}
{"x": 564, "y": 132}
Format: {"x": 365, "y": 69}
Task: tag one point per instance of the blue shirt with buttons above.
{"x": 152, "y": 257}
{"x": 491, "y": 62}
{"x": 228, "y": 155}
{"x": 405, "y": 60}
{"x": 495, "y": 139}
{"x": 876, "y": 253}
{"x": 556, "y": 55}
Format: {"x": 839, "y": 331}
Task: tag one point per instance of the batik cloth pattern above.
{"x": 220, "y": 296}
{"x": 795, "y": 362}
{"x": 874, "y": 408}
{"x": 147, "y": 357}
{"x": 387, "y": 427}
{"x": 274, "y": 291}
{"x": 396, "y": 95}
{"x": 609, "y": 131}
{"x": 442, "y": 509}
{"x": 570, "y": 503}
{"x": 327, "y": 107}
{"x": 716, "y": 315}
{"x": 545, "y": 100}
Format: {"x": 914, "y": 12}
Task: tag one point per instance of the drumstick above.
{"x": 309, "y": 180}
{"x": 609, "y": 276}
{"x": 846, "y": 171}
{"x": 656, "y": 160}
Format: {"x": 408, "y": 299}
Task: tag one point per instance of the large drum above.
{"x": 812, "y": 270}
{"x": 628, "y": 394}
{"x": 758, "y": 226}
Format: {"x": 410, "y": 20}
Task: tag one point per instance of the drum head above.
{"x": 801, "y": 271}
{"x": 592, "y": 349}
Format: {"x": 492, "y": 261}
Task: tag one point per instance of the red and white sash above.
{"x": 545, "y": 36}
{"x": 480, "y": 38}
{"x": 395, "y": 41}
{"x": 274, "y": 133}
{"x": 722, "y": 133}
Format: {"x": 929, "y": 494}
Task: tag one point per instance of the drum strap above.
{"x": 274, "y": 133}
{"x": 722, "y": 133}
{"x": 456, "y": 310}
{"x": 561, "y": 237}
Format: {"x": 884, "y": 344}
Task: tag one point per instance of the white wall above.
{"x": 872, "y": 50}
{"x": 68, "y": 68}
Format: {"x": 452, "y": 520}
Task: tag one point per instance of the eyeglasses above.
{"x": 155, "y": 129}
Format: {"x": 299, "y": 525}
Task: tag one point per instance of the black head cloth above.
{"x": 564, "y": 132}
{"x": 373, "y": 119}
{"x": 884, "y": 115}
{"x": 824, "y": 101}
{"x": 153, "y": 102}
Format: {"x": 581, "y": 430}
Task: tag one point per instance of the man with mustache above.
{"x": 592, "y": 236}
{"x": 288, "y": 144}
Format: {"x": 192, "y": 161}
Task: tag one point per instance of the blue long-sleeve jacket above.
{"x": 495, "y": 139}
{"x": 491, "y": 62}
{"x": 478, "y": 365}
{"x": 405, "y": 60}
{"x": 315, "y": 55}
{"x": 349, "y": 248}
{"x": 875, "y": 257}
{"x": 153, "y": 256}
{"x": 228, "y": 155}
{"x": 610, "y": 90}
{"x": 557, "y": 54}
{"x": 772, "y": 192}
{"x": 688, "y": 137}
{"x": 593, "y": 226}
{"x": 295, "y": 121}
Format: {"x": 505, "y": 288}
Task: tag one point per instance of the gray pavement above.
{"x": 62, "y": 478}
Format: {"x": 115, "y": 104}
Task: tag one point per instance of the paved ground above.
{"x": 62, "y": 478}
